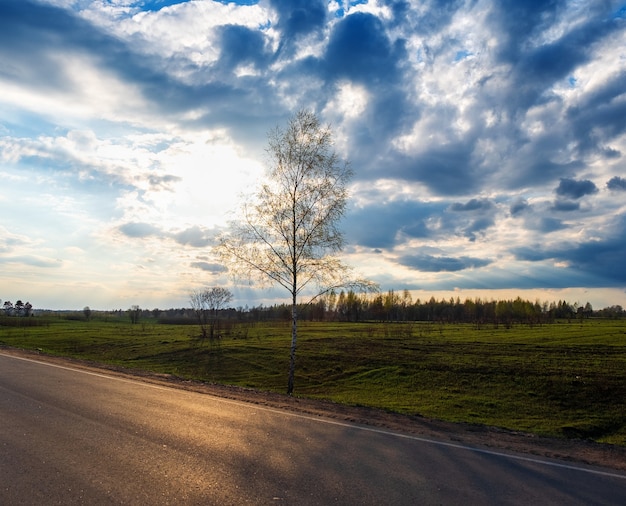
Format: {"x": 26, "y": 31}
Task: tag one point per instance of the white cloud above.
{"x": 185, "y": 29}
{"x": 88, "y": 94}
{"x": 374, "y": 7}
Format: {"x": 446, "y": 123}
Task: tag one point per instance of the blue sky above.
{"x": 488, "y": 141}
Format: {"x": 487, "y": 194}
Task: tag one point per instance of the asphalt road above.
{"x": 70, "y": 436}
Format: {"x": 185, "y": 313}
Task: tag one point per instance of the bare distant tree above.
{"x": 289, "y": 234}
{"x": 206, "y": 304}
{"x": 134, "y": 314}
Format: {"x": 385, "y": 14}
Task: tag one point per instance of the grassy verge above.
{"x": 562, "y": 379}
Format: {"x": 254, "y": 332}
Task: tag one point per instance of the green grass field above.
{"x": 561, "y": 379}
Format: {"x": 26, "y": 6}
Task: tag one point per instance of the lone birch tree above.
{"x": 288, "y": 235}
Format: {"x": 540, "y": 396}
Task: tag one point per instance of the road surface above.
{"x": 73, "y": 436}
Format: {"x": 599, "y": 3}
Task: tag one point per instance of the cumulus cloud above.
{"x": 573, "y": 189}
{"x": 139, "y": 230}
{"x": 163, "y": 182}
{"x": 195, "y": 236}
{"x": 519, "y": 206}
{"x": 616, "y": 183}
{"x": 430, "y": 263}
{"x": 212, "y": 268}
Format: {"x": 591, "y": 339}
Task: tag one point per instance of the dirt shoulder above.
{"x": 490, "y": 438}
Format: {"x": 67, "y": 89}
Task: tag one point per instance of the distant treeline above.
{"x": 396, "y": 307}
{"x": 382, "y": 307}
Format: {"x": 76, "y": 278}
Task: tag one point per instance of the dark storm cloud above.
{"x": 445, "y": 170}
{"x": 400, "y": 10}
{"x": 36, "y": 28}
{"x": 518, "y": 207}
{"x": 575, "y": 189}
{"x": 359, "y": 49}
{"x": 616, "y": 184}
{"x": 383, "y": 225}
{"x": 41, "y": 31}
{"x": 536, "y": 217}
{"x": 386, "y": 225}
{"x": 539, "y": 275}
{"x": 521, "y": 22}
{"x": 536, "y": 67}
{"x": 472, "y": 205}
{"x": 27, "y": 31}
{"x": 551, "y": 62}
{"x": 32, "y": 33}
{"x": 600, "y": 117}
{"x": 240, "y": 45}
{"x": 531, "y": 254}
{"x": 540, "y": 169}
{"x": 470, "y": 218}
{"x": 602, "y": 259}
{"x": 471, "y": 229}
{"x": 546, "y": 225}
{"x": 565, "y": 206}
{"x": 430, "y": 263}
{"x": 297, "y": 18}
